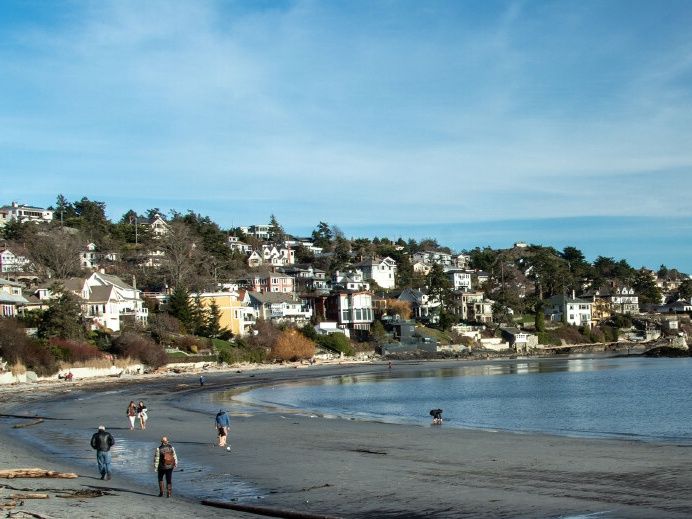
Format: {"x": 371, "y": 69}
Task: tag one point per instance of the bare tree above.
{"x": 55, "y": 252}
{"x": 182, "y": 254}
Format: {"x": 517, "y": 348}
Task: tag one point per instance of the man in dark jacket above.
{"x": 223, "y": 423}
{"x": 165, "y": 460}
{"x": 102, "y": 442}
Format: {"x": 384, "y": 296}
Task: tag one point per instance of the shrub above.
{"x": 400, "y": 308}
{"x": 14, "y": 343}
{"x": 39, "y": 359}
{"x": 73, "y": 351}
{"x": 336, "y": 342}
{"x": 548, "y": 338}
{"x": 267, "y": 335}
{"x": 131, "y": 344}
{"x": 188, "y": 343}
{"x": 292, "y": 345}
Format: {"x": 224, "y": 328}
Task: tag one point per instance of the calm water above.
{"x": 638, "y": 398}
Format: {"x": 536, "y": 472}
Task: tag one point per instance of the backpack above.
{"x": 167, "y": 457}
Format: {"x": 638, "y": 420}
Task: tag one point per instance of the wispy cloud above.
{"x": 420, "y": 112}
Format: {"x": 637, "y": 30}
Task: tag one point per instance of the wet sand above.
{"x": 339, "y": 467}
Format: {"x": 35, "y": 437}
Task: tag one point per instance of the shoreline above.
{"x": 350, "y": 468}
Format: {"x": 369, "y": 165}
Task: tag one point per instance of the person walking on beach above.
{"x": 101, "y": 442}
{"x": 165, "y": 460}
{"x": 142, "y": 414}
{"x": 201, "y": 380}
{"x": 223, "y": 423}
{"x": 132, "y": 414}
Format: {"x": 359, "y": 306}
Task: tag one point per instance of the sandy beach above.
{"x": 325, "y": 466}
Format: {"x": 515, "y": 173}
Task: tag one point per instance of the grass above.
{"x": 439, "y": 335}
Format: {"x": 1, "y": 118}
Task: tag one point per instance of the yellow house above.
{"x": 236, "y": 315}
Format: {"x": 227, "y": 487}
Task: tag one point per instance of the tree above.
{"x": 646, "y": 288}
{"x": 439, "y": 285}
{"x": 400, "y": 308}
{"x": 55, "y": 253}
{"x": 539, "y": 318}
{"x": 213, "y": 320}
{"x": 685, "y": 290}
{"x": 197, "y": 323}
{"x": 179, "y": 306}
{"x": 63, "y": 317}
{"x": 182, "y": 255}
{"x": 322, "y": 236}
{"x": 276, "y": 232}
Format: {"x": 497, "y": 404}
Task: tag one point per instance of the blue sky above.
{"x": 390, "y": 113}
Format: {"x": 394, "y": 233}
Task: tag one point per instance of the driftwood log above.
{"x": 31, "y": 495}
{"x": 21, "y": 425}
{"x": 36, "y": 473}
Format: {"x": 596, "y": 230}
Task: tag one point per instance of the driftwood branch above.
{"x": 36, "y": 473}
{"x": 21, "y": 425}
{"x": 31, "y": 495}
{"x": 30, "y": 514}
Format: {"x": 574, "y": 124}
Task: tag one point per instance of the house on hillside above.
{"x": 568, "y": 309}
{"x": 25, "y": 213}
{"x": 350, "y": 279}
{"x": 280, "y": 308}
{"x": 472, "y": 307}
{"x": 157, "y": 225}
{"x": 270, "y": 282}
{"x": 350, "y": 309}
{"x": 106, "y": 301}
{"x": 381, "y": 271}
{"x": 423, "y": 307}
{"x": 13, "y": 261}
{"x": 236, "y": 314}
{"x": 307, "y": 278}
{"x": 460, "y": 279}
{"x": 619, "y": 299}
{"x": 11, "y": 298}
{"x": 235, "y": 244}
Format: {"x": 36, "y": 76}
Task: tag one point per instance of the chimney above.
{"x": 134, "y": 282}
{"x": 573, "y": 295}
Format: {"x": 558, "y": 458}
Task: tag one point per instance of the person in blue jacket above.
{"x": 223, "y": 423}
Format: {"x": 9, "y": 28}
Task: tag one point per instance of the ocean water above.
{"x": 626, "y": 397}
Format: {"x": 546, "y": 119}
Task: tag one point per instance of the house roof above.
{"x": 8, "y": 283}
{"x": 561, "y": 299}
{"x": 12, "y": 298}
{"x": 114, "y": 280}
{"x": 100, "y": 294}
{"x": 272, "y": 297}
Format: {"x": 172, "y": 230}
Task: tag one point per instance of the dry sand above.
{"x": 334, "y": 467}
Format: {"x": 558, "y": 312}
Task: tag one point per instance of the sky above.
{"x": 530, "y": 119}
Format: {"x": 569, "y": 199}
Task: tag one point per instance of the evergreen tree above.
{"x": 213, "y": 320}
{"x": 63, "y": 317}
{"x": 276, "y": 232}
{"x": 179, "y": 306}
{"x": 439, "y": 285}
{"x": 539, "y": 318}
{"x": 198, "y": 316}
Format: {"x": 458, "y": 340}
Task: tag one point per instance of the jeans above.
{"x": 103, "y": 458}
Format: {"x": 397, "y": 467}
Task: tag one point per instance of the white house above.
{"x": 381, "y": 271}
{"x": 106, "y": 300}
{"x": 12, "y": 262}
{"x": 459, "y": 278}
{"x": 570, "y": 309}
{"x": 351, "y": 309}
{"x": 351, "y": 279}
{"x": 26, "y": 213}
{"x": 235, "y": 244}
